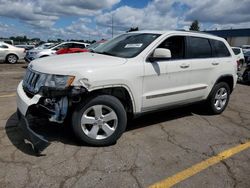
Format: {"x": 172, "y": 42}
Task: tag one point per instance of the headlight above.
{"x": 59, "y": 81}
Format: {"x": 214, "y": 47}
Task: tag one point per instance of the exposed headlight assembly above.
{"x": 33, "y": 80}
{"x": 58, "y": 81}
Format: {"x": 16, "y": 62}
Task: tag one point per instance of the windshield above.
{"x": 126, "y": 45}
{"x": 51, "y": 46}
{"x": 93, "y": 46}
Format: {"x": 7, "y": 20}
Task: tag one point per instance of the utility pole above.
{"x": 112, "y": 26}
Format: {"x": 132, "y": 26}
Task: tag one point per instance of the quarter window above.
{"x": 236, "y": 51}
{"x": 198, "y": 48}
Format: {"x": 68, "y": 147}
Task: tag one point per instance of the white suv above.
{"x": 131, "y": 74}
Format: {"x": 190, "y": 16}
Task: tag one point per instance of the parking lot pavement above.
{"x": 155, "y": 146}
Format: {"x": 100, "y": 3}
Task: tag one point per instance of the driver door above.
{"x": 166, "y": 81}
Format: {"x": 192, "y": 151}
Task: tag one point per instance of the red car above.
{"x": 71, "y": 50}
{"x": 79, "y": 50}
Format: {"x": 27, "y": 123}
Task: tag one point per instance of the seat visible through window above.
{"x": 175, "y": 45}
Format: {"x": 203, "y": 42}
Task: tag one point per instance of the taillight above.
{"x": 237, "y": 67}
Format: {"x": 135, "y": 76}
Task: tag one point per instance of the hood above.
{"x": 72, "y": 64}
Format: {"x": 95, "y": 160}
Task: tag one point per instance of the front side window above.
{"x": 176, "y": 45}
{"x": 127, "y": 45}
{"x": 198, "y": 48}
{"x": 65, "y": 45}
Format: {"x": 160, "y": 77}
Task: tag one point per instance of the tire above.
{"x": 11, "y": 59}
{"x": 218, "y": 98}
{"x": 245, "y": 76}
{"x": 97, "y": 111}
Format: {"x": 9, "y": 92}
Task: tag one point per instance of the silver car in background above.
{"x": 11, "y": 54}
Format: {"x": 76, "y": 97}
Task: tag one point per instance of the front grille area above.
{"x": 33, "y": 81}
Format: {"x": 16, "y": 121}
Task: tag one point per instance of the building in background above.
{"x": 235, "y": 37}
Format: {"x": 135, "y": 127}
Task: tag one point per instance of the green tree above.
{"x": 133, "y": 29}
{"x": 195, "y": 26}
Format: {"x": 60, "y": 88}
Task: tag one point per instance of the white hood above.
{"x": 75, "y": 64}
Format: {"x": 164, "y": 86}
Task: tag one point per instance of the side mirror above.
{"x": 160, "y": 54}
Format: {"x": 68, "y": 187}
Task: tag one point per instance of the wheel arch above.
{"x": 229, "y": 79}
{"x": 12, "y": 53}
{"x": 122, "y": 92}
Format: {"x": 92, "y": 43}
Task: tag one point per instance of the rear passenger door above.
{"x": 202, "y": 66}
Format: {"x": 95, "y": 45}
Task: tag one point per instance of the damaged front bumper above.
{"x": 23, "y": 103}
{"x": 50, "y": 103}
{"x": 38, "y": 142}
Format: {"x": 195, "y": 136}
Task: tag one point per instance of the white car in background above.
{"x": 51, "y": 50}
{"x": 11, "y": 54}
{"x": 240, "y": 56}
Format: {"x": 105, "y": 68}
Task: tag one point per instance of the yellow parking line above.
{"x": 10, "y": 95}
{"x": 169, "y": 182}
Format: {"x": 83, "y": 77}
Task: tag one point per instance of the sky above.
{"x": 92, "y": 19}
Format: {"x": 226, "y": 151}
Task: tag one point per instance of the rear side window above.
{"x": 76, "y": 45}
{"x": 219, "y": 49}
{"x": 236, "y": 51}
{"x": 198, "y": 48}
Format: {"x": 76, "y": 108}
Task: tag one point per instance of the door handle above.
{"x": 215, "y": 63}
{"x": 184, "y": 66}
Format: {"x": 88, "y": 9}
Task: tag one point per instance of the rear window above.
{"x": 236, "y": 51}
{"x": 219, "y": 49}
{"x": 3, "y": 46}
{"x": 198, "y": 48}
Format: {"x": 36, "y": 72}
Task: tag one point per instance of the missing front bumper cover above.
{"x": 38, "y": 142}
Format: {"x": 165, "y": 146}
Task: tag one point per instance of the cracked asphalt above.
{"x": 154, "y": 147}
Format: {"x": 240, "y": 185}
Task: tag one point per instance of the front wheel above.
{"x": 99, "y": 121}
{"x": 219, "y": 98}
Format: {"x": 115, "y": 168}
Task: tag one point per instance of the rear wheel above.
{"x": 99, "y": 121}
{"x": 11, "y": 58}
{"x": 219, "y": 97}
